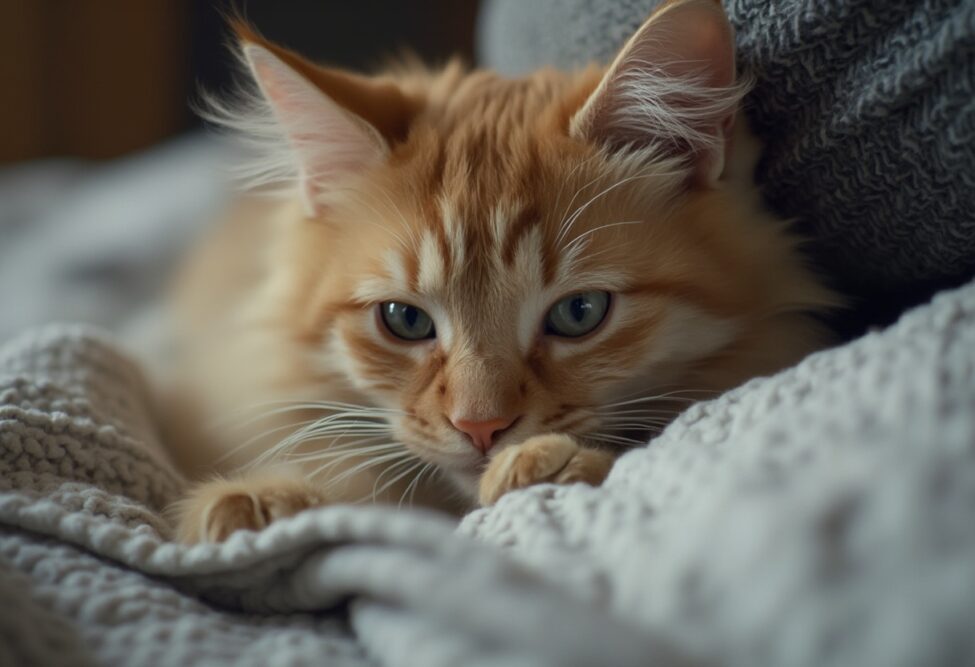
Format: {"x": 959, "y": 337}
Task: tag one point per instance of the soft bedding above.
{"x": 818, "y": 517}
{"x": 96, "y": 243}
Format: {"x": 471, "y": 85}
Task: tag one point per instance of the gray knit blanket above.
{"x": 866, "y": 109}
{"x": 819, "y": 517}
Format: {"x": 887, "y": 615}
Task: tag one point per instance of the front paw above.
{"x": 552, "y": 458}
{"x": 216, "y": 510}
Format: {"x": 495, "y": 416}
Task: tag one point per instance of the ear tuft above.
{"x": 244, "y": 31}
{"x": 672, "y": 88}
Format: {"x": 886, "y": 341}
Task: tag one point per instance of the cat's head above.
{"x": 498, "y": 258}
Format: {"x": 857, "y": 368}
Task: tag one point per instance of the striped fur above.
{"x": 484, "y": 213}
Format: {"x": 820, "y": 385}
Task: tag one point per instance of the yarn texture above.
{"x": 818, "y": 517}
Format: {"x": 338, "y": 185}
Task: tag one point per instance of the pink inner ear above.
{"x": 327, "y": 142}
{"x": 672, "y": 84}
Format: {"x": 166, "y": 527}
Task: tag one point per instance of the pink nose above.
{"x": 482, "y": 433}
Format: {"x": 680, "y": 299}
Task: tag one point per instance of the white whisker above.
{"x": 349, "y": 450}
{"x": 260, "y": 436}
{"x": 359, "y": 468}
{"x": 563, "y": 220}
{"x": 618, "y": 439}
{"x": 564, "y": 230}
{"x": 355, "y": 194}
{"x": 634, "y": 425}
{"x": 322, "y": 429}
{"x": 411, "y": 488}
{"x": 585, "y": 235}
{"x": 646, "y": 411}
{"x": 662, "y": 398}
{"x": 427, "y": 468}
{"x": 380, "y": 491}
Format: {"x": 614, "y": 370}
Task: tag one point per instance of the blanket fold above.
{"x": 818, "y": 517}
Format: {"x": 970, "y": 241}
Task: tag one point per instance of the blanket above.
{"x": 822, "y": 516}
{"x": 97, "y": 242}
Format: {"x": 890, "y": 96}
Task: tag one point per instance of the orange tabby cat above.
{"x": 470, "y": 284}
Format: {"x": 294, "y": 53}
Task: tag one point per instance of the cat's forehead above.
{"x": 483, "y": 286}
{"x": 486, "y": 100}
{"x": 479, "y": 273}
{"x": 492, "y": 207}
{"x": 485, "y": 137}
{"x": 476, "y": 197}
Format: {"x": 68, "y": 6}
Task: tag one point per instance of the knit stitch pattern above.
{"x": 818, "y": 517}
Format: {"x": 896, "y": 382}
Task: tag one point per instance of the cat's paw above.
{"x": 552, "y": 458}
{"x": 215, "y": 510}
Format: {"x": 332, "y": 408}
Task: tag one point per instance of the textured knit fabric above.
{"x": 866, "y": 107}
{"x": 819, "y": 517}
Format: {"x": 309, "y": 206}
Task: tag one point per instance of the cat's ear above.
{"x": 326, "y": 141}
{"x": 672, "y": 85}
{"x": 335, "y": 124}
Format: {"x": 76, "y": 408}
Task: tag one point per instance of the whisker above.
{"x": 643, "y": 425}
{"x": 647, "y": 411}
{"x": 621, "y": 430}
{"x": 293, "y": 406}
{"x": 564, "y": 218}
{"x": 590, "y": 232}
{"x": 260, "y": 436}
{"x": 663, "y": 398}
{"x": 568, "y": 221}
{"x": 427, "y": 468}
{"x": 674, "y": 389}
{"x": 357, "y": 469}
{"x": 348, "y": 450}
{"x": 579, "y": 211}
{"x": 618, "y": 439}
{"x": 360, "y": 198}
{"x": 640, "y": 424}
{"x": 337, "y": 424}
{"x": 660, "y": 416}
{"x": 393, "y": 481}
{"x": 406, "y": 225}
{"x": 313, "y": 431}
{"x": 355, "y": 452}
{"x": 332, "y": 440}
{"x": 411, "y": 488}
{"x": 282, "y": 449}
{"x": 309, "y": 433}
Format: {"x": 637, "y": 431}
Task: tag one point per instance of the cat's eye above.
{"x": 406, "y": 321}
{"x": 577, "y": 314}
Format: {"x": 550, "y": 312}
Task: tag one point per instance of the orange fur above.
{"x": 466, "y": 217}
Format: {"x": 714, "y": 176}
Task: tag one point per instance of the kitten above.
{"x": 470, "y": 284}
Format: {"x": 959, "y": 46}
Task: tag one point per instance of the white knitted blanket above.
{"x": 820, "y": 517}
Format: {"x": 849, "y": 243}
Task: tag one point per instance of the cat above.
{"x": 465, "y": 284}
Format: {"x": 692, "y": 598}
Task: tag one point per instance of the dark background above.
{"x": 101, "y": 78}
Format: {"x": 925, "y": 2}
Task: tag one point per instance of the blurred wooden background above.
{"x": 101, "y": 78}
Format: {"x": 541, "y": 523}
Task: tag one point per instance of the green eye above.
{"x": 406, "y": 321}
{"x": 577, "y": 314}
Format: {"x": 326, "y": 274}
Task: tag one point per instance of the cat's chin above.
{"x": 462, "y": 471}
{"x": 465, "y": 481}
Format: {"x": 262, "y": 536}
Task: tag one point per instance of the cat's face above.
{"x": 495, "y": 259}
{"x": 524, "y": 287}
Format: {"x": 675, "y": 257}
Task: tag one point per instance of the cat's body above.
{"x": 480, "y": 283}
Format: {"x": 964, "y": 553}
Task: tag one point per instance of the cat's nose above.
{"x": 482, "y": 433}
